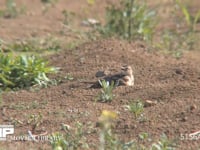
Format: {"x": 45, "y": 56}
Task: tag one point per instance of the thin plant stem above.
{"x": 130, "y": 20}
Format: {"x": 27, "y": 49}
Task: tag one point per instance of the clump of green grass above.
{"x": 23, "y": 71}
{"x": 106, "y": 94}
{"x": 137, "y": 108}
{"x": 132, "y": 20}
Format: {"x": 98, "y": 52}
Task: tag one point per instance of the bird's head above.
{"x": 127, "y": 69}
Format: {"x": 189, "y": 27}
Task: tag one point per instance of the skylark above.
{"x": 125, "y": 77}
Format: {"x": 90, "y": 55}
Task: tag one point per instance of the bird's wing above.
{"x": 118, "y": 76}
{"x": 115, "y": 78}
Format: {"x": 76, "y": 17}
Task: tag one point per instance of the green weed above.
{"x": 106, "y": 94}
{"x": 23, "y": 71}
{"x": 132, "y": 20}
{"x": 137, "y": 108}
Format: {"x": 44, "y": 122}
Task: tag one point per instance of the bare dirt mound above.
{"x": 173, "y": 84}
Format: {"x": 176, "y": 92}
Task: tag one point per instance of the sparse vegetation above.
{"x": 137, "y": 108}
{"x": 23, "y": 71}
{"x": 11, "y": 10}
{"x": 73, "y": 139}
{"x": 190, "y": 20}
{"x": 25, "y": 106}
{"x": 132, "y": 20}
{"x": 76, "y": 138}
{"x": 184, "y": 36}
{"x": 163, "y": 144}
{"x": 106, "y": 94}
{"x": 32, "y": 45}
